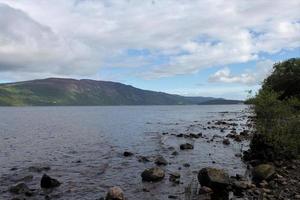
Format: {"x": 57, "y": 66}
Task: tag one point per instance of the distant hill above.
{"x": 67, "y": 92}
{"x": 221, "y": 102}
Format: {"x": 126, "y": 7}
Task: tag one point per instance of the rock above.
{"x": 20, "y": 188}
{"x": 263, "y": 172}
{"x": 239, "y": 155}
{"x": 217, "y": 179}
{"x": 297, "y": 196}
{"x": 161, "y": 161}
{"x": 174, "y": 153}
{"x": 216, "y": 136}
{"x": 263, "y": 184}
{"x": 186, "y": 165}
{"x": 241, "y": 185}
{"x": 143, "y": 159}
{"x": 153, "y": 174}
{"x": 48, "y": 182}
{"x": 230, "y": 135}
{"x": 127, "y": 154}
{"x": 205, "y": 190}
{"x": 244, "y": 133}
{"x": 179, "y": 135}
{"x": 172, "y": 197}
{"x": 186, "y": 146}
{"x": 193, "y": 135}
{"x": 226, "y": 142}
{"x": 115, "y": 193}
{"x": 237, "y": 138}
{"x": 174, "y": 177}
{"x": 268, "y": 191}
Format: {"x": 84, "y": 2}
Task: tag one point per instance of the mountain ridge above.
{"x": 86, "y": 92}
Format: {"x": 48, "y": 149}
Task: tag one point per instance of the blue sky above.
{"x": 195, "y": 48}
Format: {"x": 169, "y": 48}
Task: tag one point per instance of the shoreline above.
{"x": 226, "y": 136}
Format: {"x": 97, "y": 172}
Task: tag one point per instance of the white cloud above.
{"x": 76, "y": 37}
{"x": 263, "y": 69}
{"x": 224, "y": 75}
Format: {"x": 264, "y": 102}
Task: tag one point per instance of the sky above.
{"x": 219, "y": 48}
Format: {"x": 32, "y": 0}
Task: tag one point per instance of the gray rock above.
{"x": 226, "y": 142}
{"x": 19, "y": 188}
{"x": 143, "y": 159}
{"x": 161, "y": 161}
{"x": 263, "y": 172}
{"x": 48, "y": 182}
{"x": 217, "y": 179}
{"x": 115, "y": 193}
{"x": 174, "y": 177}
{"x": 153, "y": 174}
{"x": 127, "y": 154}
{"x": 186, "y": 146}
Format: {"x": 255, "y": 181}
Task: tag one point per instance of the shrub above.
{"x": 277, "y": 107}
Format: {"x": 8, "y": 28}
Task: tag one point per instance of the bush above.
{"x": 277, "y": 107}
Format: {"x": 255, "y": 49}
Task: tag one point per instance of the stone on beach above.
{"x": 153, "y": 174}
{"x": 160, "y": 160}
{"x": 217, "y": 179}
{"x": 115, "y": 193}
{"x": 263, "y": 172}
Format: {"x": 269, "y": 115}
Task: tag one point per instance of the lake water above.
{"x": 84, "y": 147}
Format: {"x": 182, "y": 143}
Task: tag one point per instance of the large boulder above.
{"x": 115, "y": 193}
{"x": 48, "y": 182}
{"x": 216, "y": 179}
{"x": 263, "y": 172}
{"x": 153, "y": 174}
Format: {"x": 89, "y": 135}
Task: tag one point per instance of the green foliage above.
{"x": 277, "y": 107}
{"x": 285, "y": 79}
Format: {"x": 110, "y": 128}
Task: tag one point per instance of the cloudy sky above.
{"x": 208, "y": 47}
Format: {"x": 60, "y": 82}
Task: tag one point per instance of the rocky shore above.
{"x": 267, "y": 177}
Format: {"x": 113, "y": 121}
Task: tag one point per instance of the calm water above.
{"x": 84, "y": 146}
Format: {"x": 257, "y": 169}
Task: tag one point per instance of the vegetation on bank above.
{"x": 277, "y": 107}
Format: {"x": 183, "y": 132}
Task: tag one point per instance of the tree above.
{"x": 285, "y": 79}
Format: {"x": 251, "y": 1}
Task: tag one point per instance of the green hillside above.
{"x": 56, "y": 91}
